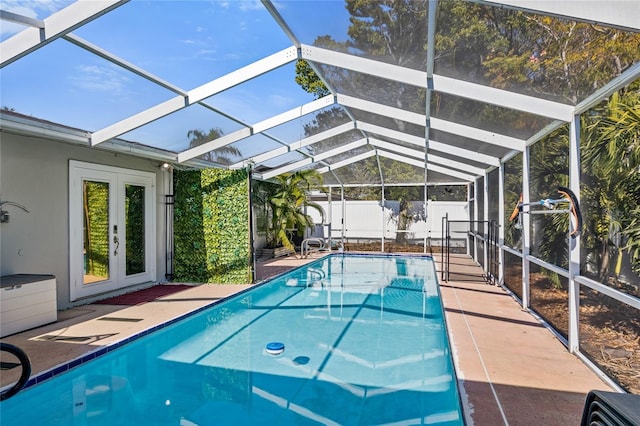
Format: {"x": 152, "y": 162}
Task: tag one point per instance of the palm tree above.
{"x": 610, "y": 194}
{"x": 222, "y": 155}
{"x": 611, "y": 159}
{"x": 287, "y": 199}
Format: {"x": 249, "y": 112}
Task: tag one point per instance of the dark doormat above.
{"x": 143, "y": 296}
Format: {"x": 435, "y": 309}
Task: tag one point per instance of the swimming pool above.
{"x": 364, "y": 342}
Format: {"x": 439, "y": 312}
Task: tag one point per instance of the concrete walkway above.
{"x": 511, "y": 369}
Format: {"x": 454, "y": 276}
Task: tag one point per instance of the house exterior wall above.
{"x": 34, "y": 172}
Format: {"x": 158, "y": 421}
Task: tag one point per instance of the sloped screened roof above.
{"x": 397, "y": 95}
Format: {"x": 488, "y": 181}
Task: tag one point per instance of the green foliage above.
{"x": 211, "y": 226}
{"x": 308, "y": 79}
{"x": 286, "y": 199}
{"x": 547, "y": 57}
{"x": 512, "y": 191}
{"x": 96, "y": 228}
{"x": 392, "y": 30}
{"x": 611, "y": 167}
{"x": 404, "y": 195}
{"x": 363, "y": 193}
{"x": 447, "y": 193}
{"x": 633, "y": 239}
{"x": 543, "y": 56}
{"x": 549, "y": 170}
{"x": 610, "y": 192}
{"x": 135, "y": 226}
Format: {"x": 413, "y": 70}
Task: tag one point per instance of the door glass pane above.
{"x": 95, "y": 225}
{"x": 134, "y": 218}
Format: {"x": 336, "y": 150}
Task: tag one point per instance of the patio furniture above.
{"x": 611, "y": 409}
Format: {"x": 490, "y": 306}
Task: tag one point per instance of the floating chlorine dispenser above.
{"x": 275, "y": 348}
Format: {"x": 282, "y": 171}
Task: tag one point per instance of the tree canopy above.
{"x": 541, "y": 56}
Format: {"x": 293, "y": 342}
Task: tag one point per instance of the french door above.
{"x": 112, "y": 228}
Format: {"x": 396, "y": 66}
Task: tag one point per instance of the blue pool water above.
{"x": 364, "y": 343}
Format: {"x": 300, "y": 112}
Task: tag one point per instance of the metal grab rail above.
{"x": 26, "y": 370}
{"x": 310, "y": 245}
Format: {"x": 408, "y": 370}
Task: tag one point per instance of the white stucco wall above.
{"x": 35, "y": 173}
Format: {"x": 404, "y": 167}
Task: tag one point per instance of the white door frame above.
{"x": 117, "y": 178}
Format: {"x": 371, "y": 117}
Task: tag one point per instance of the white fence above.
{"x": 369, "y": 220}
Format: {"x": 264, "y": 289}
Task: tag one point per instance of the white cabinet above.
{"x": 26, "y": 301}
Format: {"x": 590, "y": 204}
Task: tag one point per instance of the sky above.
{"x": 187, "y": 43}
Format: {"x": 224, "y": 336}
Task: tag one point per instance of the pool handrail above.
{"x": 317, "y": 244}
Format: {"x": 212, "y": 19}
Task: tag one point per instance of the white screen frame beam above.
{"x": 348, "y": 161}
{"x": 196, "y": 95}
{"x": 485, "y": 136}
{"x": 259, "y": 127}
{"x": 420, "y": 163}
{"x": 477, "y": 92}
{"x": 419, "y": 155}
{"x": 55, "y": 26}
{"x": 622, "y": 14}
{"x": 433, "y": 145}
{"x": 268, "y": 155}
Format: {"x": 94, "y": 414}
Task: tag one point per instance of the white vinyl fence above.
{"x": 369, "y": 220}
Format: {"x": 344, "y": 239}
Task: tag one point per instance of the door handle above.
{"x": 116, "y": 241}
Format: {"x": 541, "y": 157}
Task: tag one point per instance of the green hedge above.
{"x": 211, "y": 226}
{"x": 96, "y": 228}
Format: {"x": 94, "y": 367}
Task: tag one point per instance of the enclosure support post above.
{"x": 344, "y": 209}
{"x": 384, "y": 230}
{"x": 443, "y": 227}
{"x": 252, "y": 227}
{"x": 501, "y": 223}
{"x": 474, "y": 223}
{"x": 427, "y": 233}
{"x": 469, "y": 237}
{"x": 574, "y": 243}
{"x": 526, "y": 228}
{"x": 329, "y": 218}
{"x": 431, "y": 53}
{"x": 485, "y": 225}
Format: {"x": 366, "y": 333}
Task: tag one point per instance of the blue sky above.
{"x": 187, "y": 43}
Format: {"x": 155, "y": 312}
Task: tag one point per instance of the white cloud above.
{"x": 38, "y": 9}
{"x": 249, "y": 5}
{"x": 205, "y": 52}
{"x": 280, "y": 101}
{"x": 96, "y": 78}
{"x": 9, "y": 28}
{"x": 45, "y": 7}
{"x": 233, "y": 56}
{"x": 23, "y": 10}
